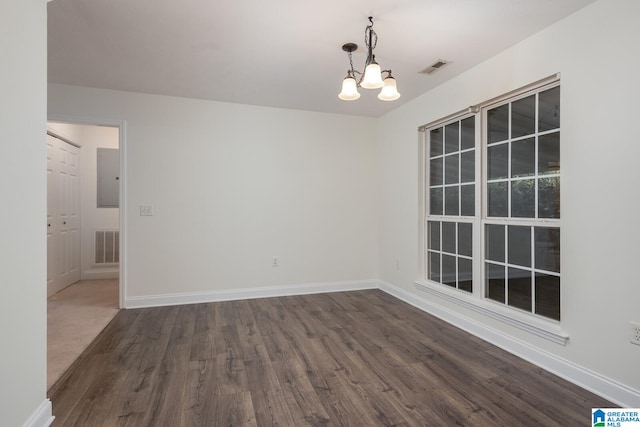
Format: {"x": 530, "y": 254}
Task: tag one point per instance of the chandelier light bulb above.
{"x": 349, "y": 89}
{"x": 372, "y": 77}
{"x": 389, "y": 91}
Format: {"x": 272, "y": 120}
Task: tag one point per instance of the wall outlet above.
{"x": 397, "y": 264}
{"x": 275, "y": 262}
{"x": 146, "y": 210}
{"x": 634, "y": 333}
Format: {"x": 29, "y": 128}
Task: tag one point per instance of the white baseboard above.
{"x": 101, "y": 273}
{"x": 589, "y": 380}
{"x": 248, "y": 293}
{"x": 42, "y": 417}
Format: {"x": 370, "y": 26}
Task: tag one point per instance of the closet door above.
{"x": 63, "y": 215}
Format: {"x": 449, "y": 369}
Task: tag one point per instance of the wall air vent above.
{"x": 435, "y": 66}
{"x": 107, "y": 245}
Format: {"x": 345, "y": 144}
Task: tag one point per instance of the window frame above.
{"x": 473, "y": 220}
{"x": 477, "y": 301}
{"x": 510, "y": 220}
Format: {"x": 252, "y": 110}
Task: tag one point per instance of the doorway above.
{"x": 82, "y": 305}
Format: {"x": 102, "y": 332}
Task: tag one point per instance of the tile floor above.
{"x": 75, "y": 316}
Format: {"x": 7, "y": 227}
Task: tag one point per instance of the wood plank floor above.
{"x": 353, "y": 359}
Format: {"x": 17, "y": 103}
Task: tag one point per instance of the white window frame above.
{"x": 538, "y": 325}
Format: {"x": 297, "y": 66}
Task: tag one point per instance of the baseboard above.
{"x": 248, "y": 293}
{"x": 101, "y": 274}
{"x": 589, "y": 380}
{"x": 42, "y": 417}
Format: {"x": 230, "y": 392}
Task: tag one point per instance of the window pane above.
{"x": 519, "y": 245}
{"x": 468, "y": 200}
{"x": 547, "y": 244}
{"x": 434, "y": 266}
{"x": 465, "y": 274}
{"x": 520, "y": 288}
{"x": 523, "y": 116}
{"x": 549, "y": 109}
{"x": 468, "y": 127}
{"x": 465, "y": 239}
{"x": 497, "y": 199}
{"x": 452, "y": 138}
{"x": 549, "y": 198}
{"x": 498, "y": 123}
{"x": 523, "y": 198}
{"x": 452, "y": 203}
{"x": 452, "y": 169}
{"x": 449, "y": 270}
{"x": 435, "y": 201}
{"x": 495, "y": 282}
{"x": 494, "y": 242}
{"x": 523, "y": 157}
{"x": 468, "y": 164}
{"x": 449, "y": 237}
{"x": 548, "y": 296}
{"x": 434, "y": 235}
{"x": 498, "y": 161}
{"x": 435, "y": 137}
{"x": 435, "y": 172}
{"x": 549, "y": 153}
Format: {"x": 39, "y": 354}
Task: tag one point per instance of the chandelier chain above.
{"x": 351, "y": 63}
{"x": 370, "y": 40}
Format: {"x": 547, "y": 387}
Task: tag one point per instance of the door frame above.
{"x": 122, "y": 145}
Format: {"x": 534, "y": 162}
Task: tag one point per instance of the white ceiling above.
{"x": 281, "y": 53}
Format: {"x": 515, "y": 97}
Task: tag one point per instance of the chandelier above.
{"x": 372, "y": 76}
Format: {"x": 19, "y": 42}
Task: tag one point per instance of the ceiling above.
{"x": 281, "y": 53}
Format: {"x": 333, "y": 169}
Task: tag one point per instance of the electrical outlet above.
{"x": 146, "y": 210}
{"x": 275, "y": 262}
{"x": 397, "y": 264}
{"x": 634, "y": 333}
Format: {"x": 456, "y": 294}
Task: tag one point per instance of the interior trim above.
{"x": 607, "y": 388}
{"x": 41, "y": 417}
{"x": 539, "y": 327}
{"x": 248, "y": 293}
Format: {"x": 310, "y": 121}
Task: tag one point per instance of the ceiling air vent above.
{"x": 435, "y": 66}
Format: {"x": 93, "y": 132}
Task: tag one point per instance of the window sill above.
{"x": 548, "y": 330}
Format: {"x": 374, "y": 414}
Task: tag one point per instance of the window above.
{"x": 514, "y": 210}
{"x": 521, "y": 230}
{"x": 452, "y": 203}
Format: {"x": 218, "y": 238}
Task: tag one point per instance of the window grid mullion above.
{"x": 533, "y": 268}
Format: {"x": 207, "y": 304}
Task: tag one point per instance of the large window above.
{"x": 517, "y": 185}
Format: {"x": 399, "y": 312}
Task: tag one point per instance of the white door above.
{"x": 63, "y": 215}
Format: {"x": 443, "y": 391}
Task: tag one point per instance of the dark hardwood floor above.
{"x": 354, "y": 358}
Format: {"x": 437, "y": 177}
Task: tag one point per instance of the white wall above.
{"x": 596, "y": 52}
{"x": 90, "y": 138}
{"x": 233, "y": 186}
{"x": 23, "y": 213}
